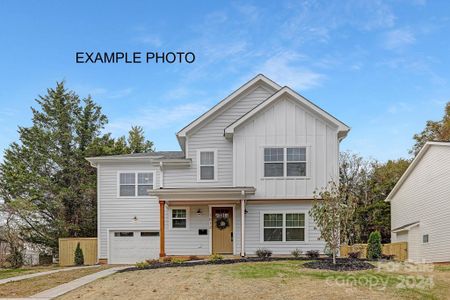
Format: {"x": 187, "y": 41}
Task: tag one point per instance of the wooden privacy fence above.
{"x": 67, "y": 248}
{"x": 399, "y": 250}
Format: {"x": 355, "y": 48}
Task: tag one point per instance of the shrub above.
{"x": 177, "y": 260}
{"x": 79, "y": 257}
{"x": 215, "y": 257}
{"x": 142, "y": 264}
{"x": 312, "y": 253}
{"x": 152, "y": 261}
{"x": 15, "y": 259}
{"x": 354, "y": 255}
{"x": 374, "y": 245}
{"x": 296, "y": 253}
{"x": 263, "y": 253}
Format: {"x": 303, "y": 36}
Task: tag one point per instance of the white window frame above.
{"x": 135, "y": 183}
{"x": 187, "y": 217}
{"x": 215, "y": 165}
{"x": 285, "y": 162}
{"x": 283, "y": 240}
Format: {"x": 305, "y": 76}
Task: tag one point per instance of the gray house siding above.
{"x": 118, "y": 212}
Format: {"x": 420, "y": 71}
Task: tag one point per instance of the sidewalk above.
{"x": 69, "y": 286}
{"x": 27, "y": 276}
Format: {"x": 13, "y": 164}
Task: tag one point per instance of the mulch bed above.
{"x": 342, "y": 264}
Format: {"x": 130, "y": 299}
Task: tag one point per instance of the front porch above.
{"x": 202, "y": 221}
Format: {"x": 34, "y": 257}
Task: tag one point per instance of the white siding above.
{"x": 425, "y": 197}
{"x": 253, "y": 229}
{"x": 285, "y": 123}
{"x": 211, "y": 136}
{"x": 118, "y": 213}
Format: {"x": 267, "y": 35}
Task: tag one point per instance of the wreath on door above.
{"x": 222, "y": 222}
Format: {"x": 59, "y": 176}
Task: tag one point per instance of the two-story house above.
{"x": 243, "y": 180}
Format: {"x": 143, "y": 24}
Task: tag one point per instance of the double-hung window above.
{"x": 283, "y": 227}
{"x": 207, "y": 166}
{"x": 285, "y": 162}
{"x": 179, "y": 218}
{"x": 132, "y": 184}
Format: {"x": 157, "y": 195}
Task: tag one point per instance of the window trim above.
{"x": 285, "y": 162}
{"x": 215, "y": 165}
{"x": 187, "y": 217}
{"x": 135, "y": 182}
{"x": 283, "y": 239}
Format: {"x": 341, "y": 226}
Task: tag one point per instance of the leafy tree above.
{"x": 434, "y": 131}
{"x": 327, "y": 212}
{"x": 374, "y": 247}
{"x": 79, "y": 257}
{"x": 137, "y": 142}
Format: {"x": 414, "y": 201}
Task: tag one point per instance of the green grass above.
{"x": 7, "y": 273}
{"x": 370, "y": 279}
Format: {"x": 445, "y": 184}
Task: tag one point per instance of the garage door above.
{"x": 129, "y": 247}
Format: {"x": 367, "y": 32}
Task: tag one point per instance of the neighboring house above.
{"x": 420, "y": 205}
{"x": 244, "y": 180}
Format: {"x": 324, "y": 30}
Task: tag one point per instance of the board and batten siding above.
{"x": 117, "y": 213}
{"x": 285, "y": 123}
{"x": 253, "y": 229}
{"x": 425, "y": 197}
{"x": 211, "y": 136}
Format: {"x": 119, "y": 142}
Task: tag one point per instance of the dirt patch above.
{"x": 29, "y": 287}
{"x": 264, "y": 280}
{"x": 340, "y": 265}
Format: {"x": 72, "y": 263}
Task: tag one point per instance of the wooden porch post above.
{"x": 162, "y": 248}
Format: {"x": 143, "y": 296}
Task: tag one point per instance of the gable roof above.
{"x": 413, "y": 165}
{"x": 258, "y": 79}
{"x": 343, "y": 129}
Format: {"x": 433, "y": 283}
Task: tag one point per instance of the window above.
{"x": 124, "y": 234}
{"x": 207, "y": 165}
{"x": 425, "y": 238}
{"x": 149, "y": 233}
{"x": 282, "y": 162}
{"x": 273, "y": 227}
{"x": 295, "y": 227}
{"x": 273, "y": 162}
{"x": 135, "y": 183}
{"x": 283, "y": 227}
{"x": 179, "y": 218}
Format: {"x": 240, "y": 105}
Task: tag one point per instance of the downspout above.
{"x": 161, "y": 174}
{"x": 242, "y": 223}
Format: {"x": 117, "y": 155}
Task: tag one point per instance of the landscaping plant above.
{"x": 296, "y": 253}
{"x": 215, "y": 257}
{"x": 263, "y": 253}
{"x": 312, "y": 254}
{"x": 79, "y": 257}
{"x": 374, "y": 248}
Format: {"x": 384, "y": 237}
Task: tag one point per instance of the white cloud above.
{"x": 398, "y": 38}
{"x": 286, "y": 69}
{"x": 157, "y": 118}
{"x": 150, "y": 40}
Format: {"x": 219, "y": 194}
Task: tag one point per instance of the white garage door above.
{"x": 129, "y": 247}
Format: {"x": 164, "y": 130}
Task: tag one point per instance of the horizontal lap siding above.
{"x": 425, "y": 197}
{"x": 285, "y": 123}
{"x": 118, "y": 213}
{"x": 253, "y": 229}
{"x": 211, "y": 136}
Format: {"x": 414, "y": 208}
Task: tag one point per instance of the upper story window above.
{"x": 132, "y": 184}
{"x": 207, "y": 165}
{"x": 282, "y": 162}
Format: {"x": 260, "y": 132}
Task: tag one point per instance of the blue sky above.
{"x": 381, "y": 67}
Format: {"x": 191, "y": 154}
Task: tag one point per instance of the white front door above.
{"x": 131, "y": 246}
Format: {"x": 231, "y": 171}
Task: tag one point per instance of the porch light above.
{"x": 199, "y": 212}
{"x": 135, "y": 219}
{"x": 245, "y": 211}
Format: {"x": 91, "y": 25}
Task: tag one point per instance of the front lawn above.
{"x": 7, "y": 273}
{"x": 32, "y": 286}
{"x": 267, "y": 280}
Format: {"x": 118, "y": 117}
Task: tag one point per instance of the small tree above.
{"x": 79, "y": 257}
{"x": 374, "y": 247}
{"x": 327, "y": 212}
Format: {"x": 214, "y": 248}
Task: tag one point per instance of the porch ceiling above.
{"x": 203, "y": 194}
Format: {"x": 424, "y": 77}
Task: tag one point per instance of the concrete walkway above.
{"x": 69, "y": 286}
{"x": 27, "y": 276}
